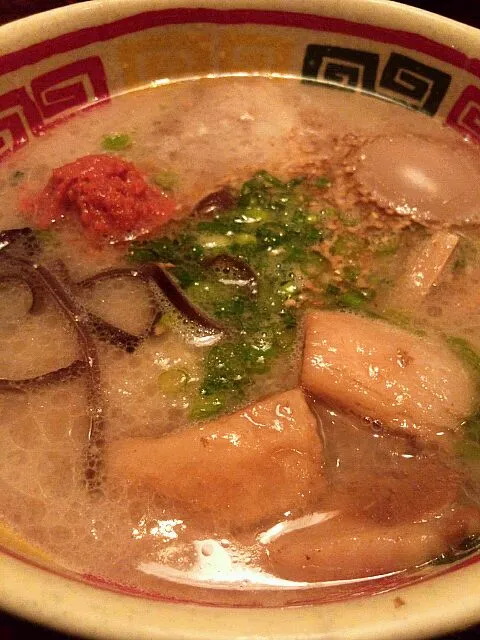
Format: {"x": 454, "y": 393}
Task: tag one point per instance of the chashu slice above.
{"x": 342, "y": 548}
{"x": 408, "y": 383}
{"x": 244, "y": 468}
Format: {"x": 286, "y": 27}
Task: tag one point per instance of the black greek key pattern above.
{"x": 402, "y": 79}
{"x": 414, "y": 83}
{"x": 349, "y": 68}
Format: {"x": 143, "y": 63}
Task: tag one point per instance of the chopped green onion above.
{"x": 207, "y": 407}
{"x": 323, "y": 182}
{"x": 165, "y": 323}
{"x": 354, "y": 299}
{"x": 351, "y": 273}
{"x": 243, "y": 239}
{"x": 166, "y": 180}
{"x": 348, "y": 245}
{"x": 116, "y": 142}
{"x": 173, "y": 380}
{"x": 253, "y": 215}
{"x": 288, "y": 289}
{"x": 213, "y": 241}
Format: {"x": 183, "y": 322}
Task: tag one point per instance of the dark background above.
{"x": 467, "y": 11}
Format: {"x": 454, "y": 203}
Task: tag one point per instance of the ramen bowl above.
{"x": 56, "y": 64}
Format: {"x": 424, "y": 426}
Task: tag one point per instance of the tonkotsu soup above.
{"x": 240, "y": 329}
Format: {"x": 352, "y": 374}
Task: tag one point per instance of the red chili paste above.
{"x": 109, "y": 195}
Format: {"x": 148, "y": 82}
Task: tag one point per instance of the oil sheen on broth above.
{"x": 284, "y": 388}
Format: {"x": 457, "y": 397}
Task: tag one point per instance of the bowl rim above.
{"x": 73, "y": 606}
{"x": 76, "y": 607}
{"x": 31, "y": 30}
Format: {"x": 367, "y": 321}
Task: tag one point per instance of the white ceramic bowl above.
{"x": 104, "y": 47}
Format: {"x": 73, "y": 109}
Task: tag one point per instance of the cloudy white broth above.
{"x": 240, "y": 341}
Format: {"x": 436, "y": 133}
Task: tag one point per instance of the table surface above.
{"x": 467, "y": 11}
